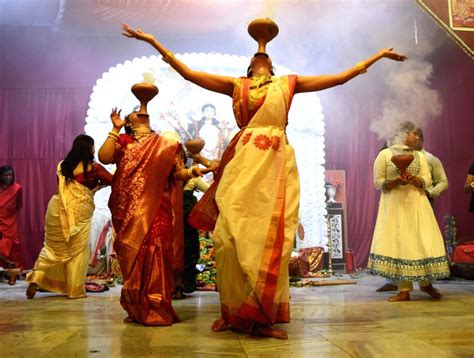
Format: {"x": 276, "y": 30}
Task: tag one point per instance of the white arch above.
{"x": 178, "y": 99}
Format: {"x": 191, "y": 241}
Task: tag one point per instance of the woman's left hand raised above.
{"x": 389, "y": 53}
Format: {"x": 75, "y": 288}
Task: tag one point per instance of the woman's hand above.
{"x": 199, "y": 172}
{"x": 415, "y": 180}
{"x": 388, "y": 53}
{"x": 137, "y": 34}
{"x": 116, "y": 120}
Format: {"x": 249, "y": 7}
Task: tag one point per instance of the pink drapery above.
{"x": 36, "y": 130}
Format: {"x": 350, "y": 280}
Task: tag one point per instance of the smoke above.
{"x": 409, "y": 98}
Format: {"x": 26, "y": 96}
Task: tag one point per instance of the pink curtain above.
{"x": 36, "y": 131}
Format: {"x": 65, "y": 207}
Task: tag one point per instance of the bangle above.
{"x": 191, "y": 173}
{"x": 113, "y": 135}
{"x": 168, "y": 56}
{"x": 361, "y": 67}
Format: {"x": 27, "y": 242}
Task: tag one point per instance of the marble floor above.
{"x": 328, "y": 321}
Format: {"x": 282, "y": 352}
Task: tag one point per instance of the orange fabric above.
{"x": 147, "y": 217}
{"x": 10, "y": 204}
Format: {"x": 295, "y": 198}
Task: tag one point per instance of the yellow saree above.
{"x": 62, "y": 263}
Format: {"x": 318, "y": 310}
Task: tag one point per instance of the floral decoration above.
{"x": 335, "y": 182}
{"x": 262, "y": 142}
{"x": 275, "y": 142}
{"x": 246, "y": 138}
{"x": 207, "y": 277}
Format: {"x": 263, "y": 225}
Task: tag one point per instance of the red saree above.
{"x": 10, "y": 204}
{"x": 146, "y": 206}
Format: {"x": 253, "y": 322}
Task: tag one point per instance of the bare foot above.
{"x": 402, "y": 296}
{"x": 387, "y": 287}
{"x": 220, "y": 325}
{"x": 31, "y": 290}
{"x": 128, "y": 319}
{"x": 269, "y": 331}
{"x": 433, "y": 292}
{"x": 13, "y": 273}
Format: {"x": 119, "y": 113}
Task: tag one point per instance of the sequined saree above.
{"x": 257, "y": 196}
{"x": 146, "y": 206}
{"x": 62, "y": 263}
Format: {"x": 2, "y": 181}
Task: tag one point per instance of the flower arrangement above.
{"x": 335, "y": 182}
{"x": 207, "y": 277}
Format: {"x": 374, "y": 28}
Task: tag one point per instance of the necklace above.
{"x": 141, "y": 134}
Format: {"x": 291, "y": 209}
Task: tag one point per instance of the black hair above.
{"x": 81, "y": 152}
{"x": 3, "y": 170}
{"x": 419, "y": 131}
{"x": 208, "y": 105}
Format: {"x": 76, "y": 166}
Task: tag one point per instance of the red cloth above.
{"x": 146, "y": 206}
{"x": 10, "y": 203}
{"x": 464, "y": 254}
{"x": 94, "y": 176}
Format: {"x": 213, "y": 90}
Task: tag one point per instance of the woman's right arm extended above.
{"x": 215, "y": 83}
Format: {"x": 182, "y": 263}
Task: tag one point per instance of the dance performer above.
{"x": 252, "y": 206}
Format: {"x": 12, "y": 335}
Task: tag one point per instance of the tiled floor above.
{"x": 329, "y": 321}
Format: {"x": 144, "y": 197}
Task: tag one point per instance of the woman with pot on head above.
{"x": 146, "y": 207}
{"x": 252, "y": 206}
{"x": 11, "y": 201}
{"x": 407, "y": 244}
{"x": 63, "y": 261}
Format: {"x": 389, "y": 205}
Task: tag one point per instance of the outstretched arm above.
{"x": 216, "y": 83}
{"x": 317, "y": 83}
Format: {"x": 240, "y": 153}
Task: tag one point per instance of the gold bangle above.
{"x": 191, "y": 173}
{"x": 168, "y": 56}
{"x": 361, "y": 67}
{"x": 113, "y": 135}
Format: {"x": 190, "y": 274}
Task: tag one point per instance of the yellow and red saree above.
{"x": 257, "y": 199}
